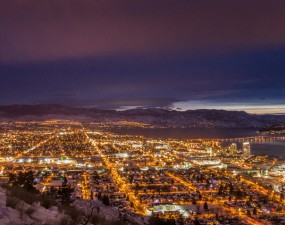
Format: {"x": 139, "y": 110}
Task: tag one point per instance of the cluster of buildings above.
{"x": 185, "y": 180}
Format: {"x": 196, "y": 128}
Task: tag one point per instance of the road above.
{"x": 219, "y": 204}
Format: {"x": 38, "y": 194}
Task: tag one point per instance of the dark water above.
{"x": 276, "y": 148}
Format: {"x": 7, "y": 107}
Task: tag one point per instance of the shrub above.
{"x": 12, "y": 202}
{"x": 23, "y": 195}
{"x": 95, "y": 219}
{"x": 64, "y": 221}
{"x": 4, "y": 185}
{"x": 74, "y": 213}
{"x": 30, "y": 211}
{"x": 47, "y": 202}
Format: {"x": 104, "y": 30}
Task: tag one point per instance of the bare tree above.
{"x": 87, "y": 218}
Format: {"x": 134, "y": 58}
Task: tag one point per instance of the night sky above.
{"x": 120, "y": 54}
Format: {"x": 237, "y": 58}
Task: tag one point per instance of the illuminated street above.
{"x": 166, "y": 178}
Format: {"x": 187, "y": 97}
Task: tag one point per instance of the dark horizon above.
{"x": 13, "y": 108}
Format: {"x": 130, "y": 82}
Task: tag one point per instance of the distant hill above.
{"x": 154, "y": 116}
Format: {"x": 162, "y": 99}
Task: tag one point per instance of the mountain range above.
{"x": 154, "y": 116}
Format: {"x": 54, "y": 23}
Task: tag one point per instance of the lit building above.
{"x": 233, "y": 149}
{"x": 246, "y": 149}
{"x": 210, "y": 151}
